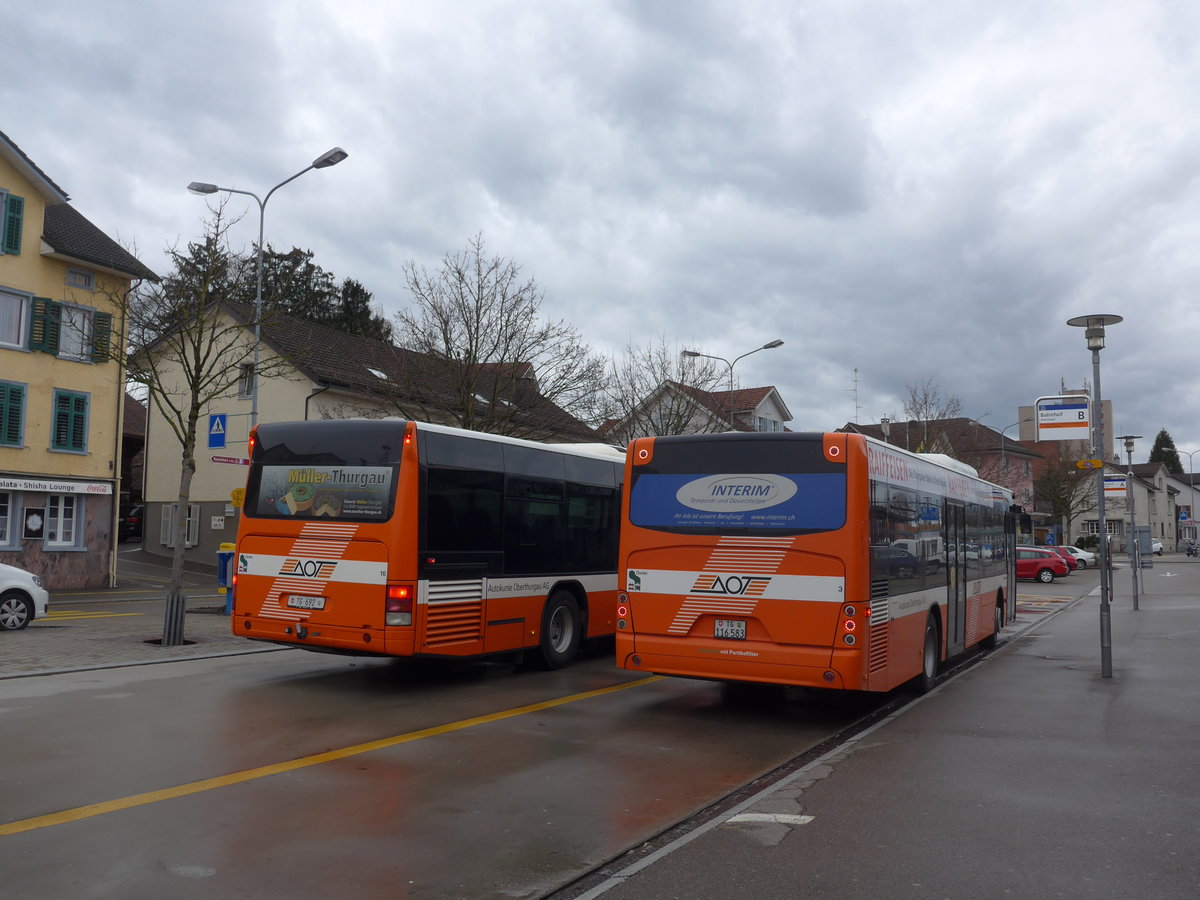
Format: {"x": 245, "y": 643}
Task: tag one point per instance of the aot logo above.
{"x": 738, "y": 585}
{"x": 736, "y": 493}
{"x": 307, "y": 568}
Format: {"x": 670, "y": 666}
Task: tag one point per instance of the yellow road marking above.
{"x": 62, "y": 614}
{"x": 304, "y": 762}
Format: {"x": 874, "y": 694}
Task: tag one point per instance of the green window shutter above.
{"x": 14, "y": 214}
{"x": 12, "y": 405}
{"x": 45, "y": 323}
{"x": 70, "y": 421}
{"x": 101, "y": 337}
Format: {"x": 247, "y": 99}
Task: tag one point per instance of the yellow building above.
{"x": 62, "y": 380}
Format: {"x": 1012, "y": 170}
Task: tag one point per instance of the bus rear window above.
{"x": 337, "y": 471}
{"x": 776, "y": 485}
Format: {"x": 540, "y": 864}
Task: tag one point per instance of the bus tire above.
{"x": 989, "y": 642}
{"x": 931, "y": 651}
{"x": 561, "y": 630}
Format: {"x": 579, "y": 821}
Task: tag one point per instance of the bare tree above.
{"x": 1065, "y": 490}
{"x": 188, "y": 351}
{"x": 652, "y": 390}
{"x": 926, "y": 404}
{"x": 481, "y": 356}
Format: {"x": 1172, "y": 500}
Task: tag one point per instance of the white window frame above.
{"x": 8, "y": 515}
{"x": 24, "y": 304}
{"x": 62, "y": 530}
{"x": 191, "y": 534}
{"x": 77, "y": 322}
{"x": 245, "y": 385}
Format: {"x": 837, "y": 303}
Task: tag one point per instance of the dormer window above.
{"x": 378, "y": 374}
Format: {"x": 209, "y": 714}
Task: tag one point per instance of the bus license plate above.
{"x": 734, "y": 629}
{"x": 301, "y": 601}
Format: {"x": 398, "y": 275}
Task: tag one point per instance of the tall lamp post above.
{"x": 324, "y": 161}
{"x": 1134, "y": 561}
{"x": 692, "y": 354}
{"x": 1191, "y": 495}
{"x": 1094, "y": 335}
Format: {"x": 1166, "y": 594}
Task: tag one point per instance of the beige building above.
{"x": 315, "y": 373}
{"x": 62, "y": 380}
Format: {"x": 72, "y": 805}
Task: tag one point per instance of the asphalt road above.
{"x": 295, "y": 774}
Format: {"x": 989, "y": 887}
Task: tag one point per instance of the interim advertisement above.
{"x": 761, "y": 500}
{"x": 360, "y": 493}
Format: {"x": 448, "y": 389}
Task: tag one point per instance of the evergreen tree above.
{"x": 1164, "y": 452}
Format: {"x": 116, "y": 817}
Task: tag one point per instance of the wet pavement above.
{"x": 1028, "y": 775}
{"x": 123, "y": 626}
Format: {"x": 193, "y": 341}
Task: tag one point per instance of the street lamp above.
{"x": 1191, "y": 492}
{"x": 1094, "y": 335}
{"x": 324, "y": 161}
{"x": 1003, "y": 440}
{"x": 885, "y": 425}
{"x": 1134, "y": 561}
{"x": 692, "y": 354}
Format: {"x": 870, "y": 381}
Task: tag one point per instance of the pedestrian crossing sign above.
{"x": 216, "y": 431}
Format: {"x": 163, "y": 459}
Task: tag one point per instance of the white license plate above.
{"x": 734, "y": 629}
{"x": 301, "y": 601}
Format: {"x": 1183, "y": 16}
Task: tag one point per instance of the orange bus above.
{"x": 819, "y": 560}
{"x": 400, "y": 538}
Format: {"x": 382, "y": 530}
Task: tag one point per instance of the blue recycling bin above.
{"x": 225, "y": 575}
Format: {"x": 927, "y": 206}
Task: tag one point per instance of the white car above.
{"x": 22, "y": 598}
{"x": 1156, "y": 547}
{"x": 1085, "y": 558}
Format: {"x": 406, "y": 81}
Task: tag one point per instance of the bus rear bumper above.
{"x": 316, "y": 636}
{"x": 799, "y": 666}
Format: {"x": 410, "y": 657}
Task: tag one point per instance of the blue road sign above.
{"x": 216, "y": 431}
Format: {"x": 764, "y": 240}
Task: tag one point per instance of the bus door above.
{"x": 956, "y": 606}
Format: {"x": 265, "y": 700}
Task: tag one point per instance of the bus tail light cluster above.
{"x": 853, "y": 618}
{"x": 399, "y": 604}
{"x": 623, "y": 618}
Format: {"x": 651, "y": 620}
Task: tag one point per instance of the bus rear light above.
{"x": 849, "y": 611}
{"x": 849, "y": 639}
{"x": 622, "y": 624}
{"x": 850, "y": 624}
{"x": 622, "y": 610}
{"x": 398, "y": 604}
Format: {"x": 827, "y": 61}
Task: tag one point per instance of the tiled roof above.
{"x": 69, "y": 233}
{"x": 382, "y": 370}
{"x": 18, "y": 156}
{"x": 134, "y": 420}
{"x": 960, "y": 438}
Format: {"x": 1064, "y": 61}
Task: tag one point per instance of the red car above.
{"x": 1040, "y": 564}
{"x": 1072, "y": 560}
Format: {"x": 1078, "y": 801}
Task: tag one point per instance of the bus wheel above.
{"x": 989, "y": 642}
{"x": 930, "y": 653}
{"x": 560, "y": 630}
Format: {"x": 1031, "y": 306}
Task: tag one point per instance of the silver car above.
{"x": 1083, "y": 557}
{"x": 22, "y": 598}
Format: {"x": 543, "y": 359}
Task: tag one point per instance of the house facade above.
{"x": 675, "y": 408}
{"x": 1155, "y": 505}
{"x": 316, "y": 373}
{"x": 62, "y": 380}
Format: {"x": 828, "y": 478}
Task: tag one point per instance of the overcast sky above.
{"x": 898, "y": 190}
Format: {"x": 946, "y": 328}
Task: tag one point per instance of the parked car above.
{"x": 129, "y": 522}
{"x": 22, "y": 598}
{"x": 1156, "y": 547}
{"x": 1085, "y": 558}
{"x": 1040, "y": 564}
{"x": 1066, "y": 554}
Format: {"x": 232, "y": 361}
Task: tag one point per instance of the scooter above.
{"x": 1191, "y": 550}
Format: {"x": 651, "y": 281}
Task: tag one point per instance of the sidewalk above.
{"x": 76, "y": 636}
{"x": 1029, "y": 775}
